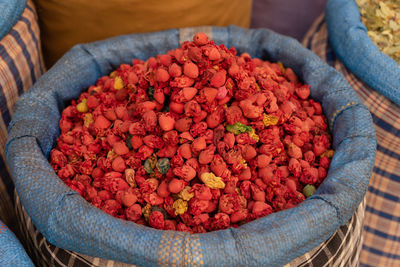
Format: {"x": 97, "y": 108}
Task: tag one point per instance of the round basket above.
{"x": 69, "y": 222}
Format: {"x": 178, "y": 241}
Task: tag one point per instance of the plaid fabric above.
{"x": 381, "y": 231}
{"x": 341, "y": 249}
{"x": 21, "y": 64}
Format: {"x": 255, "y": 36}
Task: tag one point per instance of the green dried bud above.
{"x": 238, "y": 128}
{"x": 309, "y": 190}
{"x": 163, "y": 165}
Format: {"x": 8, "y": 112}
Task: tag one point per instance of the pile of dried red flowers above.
{"x": 195, "y": 140}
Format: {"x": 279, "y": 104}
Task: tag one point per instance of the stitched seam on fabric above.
{"x": 338, "y": 112}
{"x": 331, "y": 205}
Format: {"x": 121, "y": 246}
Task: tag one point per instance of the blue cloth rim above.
{"x": 72, "y": 223}
{"x": 349, "y": 39}
{"x": 12, "y": 253}
{"x": 11, "y": 11}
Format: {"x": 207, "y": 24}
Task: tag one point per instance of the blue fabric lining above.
{"x": 11, "y": 11}
{"x": 350, "y": 41}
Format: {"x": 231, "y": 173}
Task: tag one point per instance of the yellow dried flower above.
{"x": 180, "y": 206}
{"x": 118, "y": 83}
{"x": 212, "y": 181}
{"x": 253, "y": 135}
{"x": 82, "y": 107}
{"x": 88, "y": 119}
{"x": 328, "y": 153}
{"x": 282, "y": 67}
{"x": 270, "y": 120}
{"x": 146, "y": 210}
{"x": 185, "y": 194}
{"x": 113, "y": 74}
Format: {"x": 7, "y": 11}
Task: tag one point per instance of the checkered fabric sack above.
{"x": 341, "y": 249}
{"x": 274, "y": 240}
{"x": 21, "y": 64}
{"x": 381, "y": 231}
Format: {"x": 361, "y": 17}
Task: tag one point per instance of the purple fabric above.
{"x": 289, "y": 17}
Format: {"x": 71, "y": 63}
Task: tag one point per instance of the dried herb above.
{"x": 382, "y": 19}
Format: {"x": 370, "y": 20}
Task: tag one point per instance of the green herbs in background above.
{"x": 382, "y": 19}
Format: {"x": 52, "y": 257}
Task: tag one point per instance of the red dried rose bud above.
{"x": 220, "y": 221}
{"x": 102, "y": 123}
{"x": 199, "y": 144}
{"x": 176, "y": 107}
{"x": 260, "y": 207}
{"x": 110, "y": 115}
{"x": 197, "y": 206}
{"x": 183, "y": 227}
{"x": 192, "y": 109}
{"x": 218, "y": 79}
{"x": 92, "y": 102}
{"x": 136, "y": 141}
{"x": 128, "y": 199}
{"x": 176, "y": 185}
{"x": 229, "y": 139}
{"x": 134, "y": 212}
{"x": 137, "y": 128}
{"x": 257, "y": 193}
{"x": 161, "y": 75}
{"x": 239, "y": 215}
{"x": 118, "y": 164}
{"x": 171, "y": 137}
{"x": 229, "y": 203}
{"x": 245, "y": 174}
{"x": 249, "y": 110}
{"x": 166, "y": 122}
{"x": 294, "y": 151}
{"x": 175, "y": 70}
{"x": 317, "y": 107}
{"x": 195, "y": 54}
{"x": 132, "y": 78}
{"x": 58, "y": 158}
{"x": 210, "y": 94}
{"x": 309, "y": 156}
{"x": 170, "y": 225}
{"x": 309, "y": 175}
{"x": 153, "y": 141}
{"x": 189, "y": 93}
{"x": 321, "y": 173}
{"x": 303, "y": 92}
{"x": 163, "y": 190}
{"x": 201, "y": 218}
{"x": 150, "y": 120}
{"x": 144, "y": 152}
{"x": 202, "y": 192}
{"x": 214, "y": 54}
{"x": 191, "y": 70}
{"x": 156, "y": 220}
{"x": 185, "y": 151}
{"x": 249, "y": 152}
{"x": 200, "y": 38}
{"x": 185, "y": 172}
{"x": 120, "y": 148}
{"x": 324, "y": 162}
{"x": 294, "y": 167}
{"x": 165, "y": 60}
{"x": 207, "y": 155}
{"x": 183, "y": 125}
{"x": 214, "y": 119}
